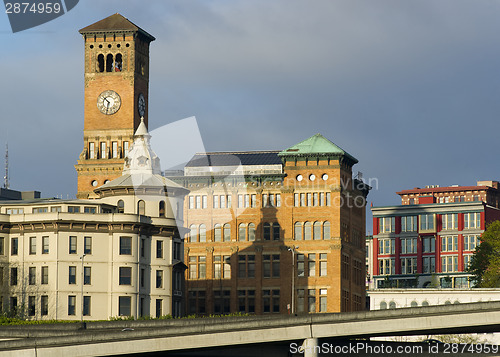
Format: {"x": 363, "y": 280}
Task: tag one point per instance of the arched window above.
{"x": 307, "y": 230}
{"x": 109, "y": 63}
{"x": 203, "y": 233}
{"x": 317, "y": 230}
{"x": 251, "y": 232}
{"x": 298, "y": 231}
{"x": 118, "y": 63}
{"x": 383, "y": 305}
{"x": 414, "y": 303}
{"x": 141, "y": 207}
{"x": 425, "y": 303}
{"x": 326, "y": 230}
{"x": 456, "y": 302}
{"x": 192, "y": 233}
{"x": 392, "y": 305}
{"x": 447, "y": 302}
{"x": 227, "y": 232}
{"x": 276, "y": 231}
{"x": 100, "y": 63}
{"x": 121, "y": 206}
{"x": 267, "y": 231}
{"x": 162, "y": 208}
{"x": 242, "y": 230}
{"x": 217, "y": 232}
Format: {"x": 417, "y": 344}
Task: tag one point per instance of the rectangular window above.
{"x": 103, "y": 150}
{"x": 408, "y": 265}
{"x": 87, "y": 273}
{"x": 296, "y": 201}
{"x": 45, "y": 275}
{"x": 72, "y": 245}
{"x": 300, "y": 265}
{"x": 91, "y": 210}
{"x": 323, "y": 264}
{"x": 31, "y": 305}
{"x": 408, "y": 245}
{"x": 467, "y": 260}
{"x": 44, "y": 305}
{"x": 271, "y": 265}
{"x": 2, "y": 245}
{"x": 449, "y": 221}
{"x": 321, "y": 198}
{"x": 159, "y": 310}
{"x": 32, "y": 276}
{"x": 14, "y": 247}
{"x": 328, "y": 199}
{"x": 143, "y": 247}
{"x": 471, "y": 242}
{"x": 309, "y": 200}
{"x": 87, "y": 245}
{"x": 86, "y": 306}
{"x": 73, "y": 209}
{"x": 278, "y": 200}
{"x": 125, "y": 148}
{"x": 240, "y": 201}
{"x": 125, "y": 245}
{"x": 246, "y": 266}
{"x": 302, "y": 199}
{"x": 91, "y": 150}
{"x": 426, "y": 222}
{"x": 55, "y": 209}
{"x": 323, "y": 300}
{"x": 197, "y": 267}
{"x": 246, "y": 301}
{"x": 428, "y": 244}
{"x": 204, "y": 201}
{"x": 114, "y": 148}
{"x": 72, "y": 275}
{"x": 429, "y": 265}
{"x": 159, "y": 249}
{"x": 198, "y": 202}
{"x": 311, "y": 300}
{"x": 449, "y": 263}
{"x": 124, "y": 305}
{"x": 315, "y": 199}
{"x": 32, "y": 245}
{"x": 71, "y": 305}
{"x": 125, "y": 276}
{"x": 311, "y": 264}
{"x": 387, "y": 224}
{"x": 191, "y": 202}
{"x": 142, "y": 278}
{"x": 386, "y": 266}
{"x": 45, "y": 245}
{"x": 222, "y": 201}
{"x": 253, "y": 200}
{"x": 159, "y": 279}
{"x": 229, "y": 201}
{"x": 449, "y": 243}
{"x": 472, "y": 220}
{"x": 409, "y": 224}
{"x": 40, "y": 210}
{"x": 271, "y": 300}
{"x": 386, "y": 246}
{"x": 216, "y": 201}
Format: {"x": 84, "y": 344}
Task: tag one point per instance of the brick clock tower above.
{"x": 116, "y": 97}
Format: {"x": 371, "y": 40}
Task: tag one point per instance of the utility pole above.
{"x": 83, "y": 282}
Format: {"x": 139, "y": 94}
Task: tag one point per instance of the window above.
{"x": 72, "y": 245}
{"x": 56, "y": 209}
{"x": 428, "y": 244}
{"x": 246, "y": 266}
{"x": 271, "y": 231}
{"x": 251, "y": 232}
{"x": 71, "y": 305}
{"x": 326, "y": 230}
{"x": 271, "y": 265}
{"x": 271, "y": 300}
{"x": 159, "y": 310}
{"x": 386, "y": 266}
{"x": 125, "y": 276}
{"x": 311, "y": 264}
{"x": 87, "y": 272}
{"x": 204, "y": 199}
{"x": 300, "y": 300}
{"x": 125, "y": 245}
{"x": 322, "y": 300}
{"x": 267, "y": 231}
{"x": 215, "y": 201}
{"x": 86, "y": 306}
{"x": 103, "y": 150}
{"x": 31, "y": 305}
{"x": 92, "y": 148}
{"x": 121, "y": 206}
{"x": 246, "y": 301}
{"x": 73, "y": 209}
{"x": 159, "y": 249}
{"x": 426, "y": 222}
{"x": 203, "y": 233}
{"x": 32, "y": 275}
{"x": 45, "y": 245}
{"x": 45, "y": 275}
{"x": 197, "y": 267}
{"x": 323, "y": 264}
{"x": 408, "y": 265}
{"x": 301, "y": 268}
{"x": 409, "y": 224}
{"x": 242, "y": 230}
{"x": 44, "y": 305}
{"x": 328, "y": 198}
{"x": 114, "y": 149}
{"x": 311, "y": 300}
{"x": 32, "y": 245}
{"x": 227, "y": 232}
{"x": 386, "y": 246}
{"x": 40, "y": 210}
{"x": 141, "y": 207}
{"x": 217, "y": 232}
{"x": 222, "y": 267}
{"x": 298, "y": 231}
{"x": 387, "y": 224}
{"x": 14, "y": 247}
{"x": 87, "y": 241}
{"x": 222, "y": 301}
{"x": 307, "y": 230}
{"x": 408, "y": 245}
{"x": 449, "y": 243}
{"x": 429, "y": 265}
{"x": 316, "y": 230}
{"x": 471, "y": 242}
{"x": 472, "y": 220}
{"x": 72, "y": 275}
{"x": 124, "y": 305}
{"x": 467, "y": 260}
{"x": 449, "y": 263}
{"x": 159, "y": 279}
{"x": 193, "y": 236}
{"x": 449, "y": 221}
{"x": 196, "y": 304}
{"x": 2, "y": 245}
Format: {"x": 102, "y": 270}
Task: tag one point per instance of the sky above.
{"x": 410, "y": 88}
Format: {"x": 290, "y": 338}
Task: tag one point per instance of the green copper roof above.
{"x": 316, "y": 145}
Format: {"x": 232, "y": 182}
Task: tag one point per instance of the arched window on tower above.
{"x": 141, "y": 207}
{"x": 203, "y": 233}
{"x": 298, "y": 231}
{"x": 307, "y": 231}
{"x": 118, "y": 63}
{"x": 242, "y": 230}
{"x": 100, "y": 63}
{"x": 162, "y": 209}
{"x": 121, "y": 206}
{"x": 109, "y": 63}
{"x": 316, "y": 230}
{"x": 326, "y": 230}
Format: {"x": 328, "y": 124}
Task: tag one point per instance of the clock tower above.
{"x": 116, "y": 97}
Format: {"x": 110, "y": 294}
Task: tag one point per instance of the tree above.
{"x": 485, "y": 263}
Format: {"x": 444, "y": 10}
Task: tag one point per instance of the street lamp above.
{"x": 83, "y": 278}
{"x": 292, "y": 249}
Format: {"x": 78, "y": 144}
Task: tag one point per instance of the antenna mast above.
{"x": 6, "y": 177}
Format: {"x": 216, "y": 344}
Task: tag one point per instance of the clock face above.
{"x": 141, "y": 105}
{"x": 109, "y": 102}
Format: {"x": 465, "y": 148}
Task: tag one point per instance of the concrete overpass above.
{"x": 113, "y": 338}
